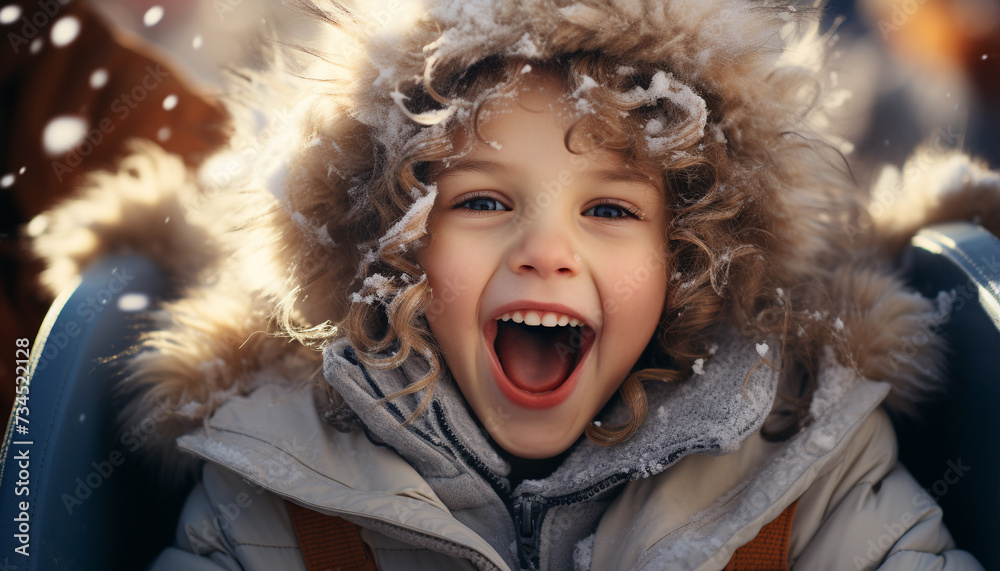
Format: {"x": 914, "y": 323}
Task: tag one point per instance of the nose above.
{"x": 545, "y": 250}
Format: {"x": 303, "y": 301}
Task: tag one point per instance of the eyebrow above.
{"x": 472, "y": 165}
{"x": 621, "y": 175}
{"x": 493, "y": 167}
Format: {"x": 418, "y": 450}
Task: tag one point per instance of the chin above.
{"x": 525, "y": 442}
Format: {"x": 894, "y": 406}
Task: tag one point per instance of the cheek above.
{"x": 636, "y": 286}
{"x": 436, "y": 260}
{"x": 636, "y": 295}
{"x": 452, "y": 309}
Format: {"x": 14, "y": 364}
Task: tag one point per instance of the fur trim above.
{"x": 933, "y": 187}
{"x": 209, "y": 346}
{"x": 262, "y": 217}
{"x": 888, "y": 332}
{"x": 143, "y": 208}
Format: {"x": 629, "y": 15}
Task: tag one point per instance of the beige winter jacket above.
{"x": 261, "y": 231}
{"x": 858, "y": 509}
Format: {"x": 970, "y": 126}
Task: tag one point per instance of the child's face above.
{"x": 522, "y": 227}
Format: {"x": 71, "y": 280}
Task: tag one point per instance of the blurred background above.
{"x": 78, "y": 78}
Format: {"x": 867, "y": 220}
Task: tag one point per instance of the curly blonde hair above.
{"x": 721, "y": 242}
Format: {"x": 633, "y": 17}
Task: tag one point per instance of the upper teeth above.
{"x": 545, "y": 319}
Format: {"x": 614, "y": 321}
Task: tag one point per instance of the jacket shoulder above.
{"x": 866, "y": 511}
{"x": 230, "y": 523}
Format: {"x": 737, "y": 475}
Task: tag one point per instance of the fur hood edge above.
{"x": 210, "y": 343}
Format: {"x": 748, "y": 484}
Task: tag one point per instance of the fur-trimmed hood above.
{"x": 255, "y": 233}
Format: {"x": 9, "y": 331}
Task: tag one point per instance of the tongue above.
{"x": 530, "y": 356}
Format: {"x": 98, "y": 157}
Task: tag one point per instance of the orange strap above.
{"x": 769, "y": 550}
{"x": 329, "y": 543}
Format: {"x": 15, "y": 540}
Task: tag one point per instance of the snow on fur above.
{"x": 296, "y": 126}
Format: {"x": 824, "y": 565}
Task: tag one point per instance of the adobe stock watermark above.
{"x": 122, "y": 107}
{"x": 452, "y": 288}
{"x": 104, "y": 468}
{"x": 902, "y": 11}
{"x": 444, "y": 296}
{"x": 34, "y": 23}
{"x": 885, "y": 196}
{"x": 211, "y": 531}
{"x": 227, "y": 513}
{"x": 920, "y": 502}
{"x": 496, "y": 418}
{"x": 550, "y": 191}
{"x": 223, "y": 170}
{"x": 628, "y": 285}
{"x": 631, "y": 283}
{"x": 86, "y": 312}
{"x": 224, "y": 7}
{"x": 958, "y": 298}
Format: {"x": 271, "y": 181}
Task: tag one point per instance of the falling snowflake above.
{"x": 10, "y": 13}
{"x": 99, "y": 78}
{"x": 152, "y": 16}
{"x": 62, "y": 134}
{"x": 64, "y": 31}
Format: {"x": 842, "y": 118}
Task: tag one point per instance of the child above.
{"x": 588, "y": 287}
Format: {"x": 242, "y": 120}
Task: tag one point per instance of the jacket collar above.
{"x": 695, "y": 515}
{"x": 443, "y": 459}
{"x": 710, "y": 413}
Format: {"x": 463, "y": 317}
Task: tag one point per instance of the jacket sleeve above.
{"x": 233, "y": 525}
{"x": 868, "y": 512}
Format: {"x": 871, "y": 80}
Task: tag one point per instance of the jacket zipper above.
{"x": 530, "y": 511}
{"x": 527, "y": 512}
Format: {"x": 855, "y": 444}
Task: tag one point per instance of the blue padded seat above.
{"x": 92, "y": 504}
{"x": 952, "y": 449}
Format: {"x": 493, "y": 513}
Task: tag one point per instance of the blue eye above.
{"x": 484, "y": 203}
{"x": 610, "y": 210}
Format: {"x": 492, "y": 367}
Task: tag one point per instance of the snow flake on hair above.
{"x": 579, "y": 98}
{"x": 313, "y": 231}
{"x": 376, "y": 287}
{"x": 408, "y": 229}
{"x": 403, "y": 231}
{"x": 664, "y": 86}
{"x": 433, "y": 117}
{"x": 526, "y": 47}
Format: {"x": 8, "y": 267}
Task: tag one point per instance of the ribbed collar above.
{"x": 709, "y": 413}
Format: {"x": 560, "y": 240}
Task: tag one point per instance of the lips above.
{"x": 536, "y": 352}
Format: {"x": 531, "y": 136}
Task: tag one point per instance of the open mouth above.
{"x": 535, "y": 355}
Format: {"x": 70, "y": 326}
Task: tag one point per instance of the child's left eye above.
{"x": 612, "y": 210}
{"x": 481, "y": 203}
